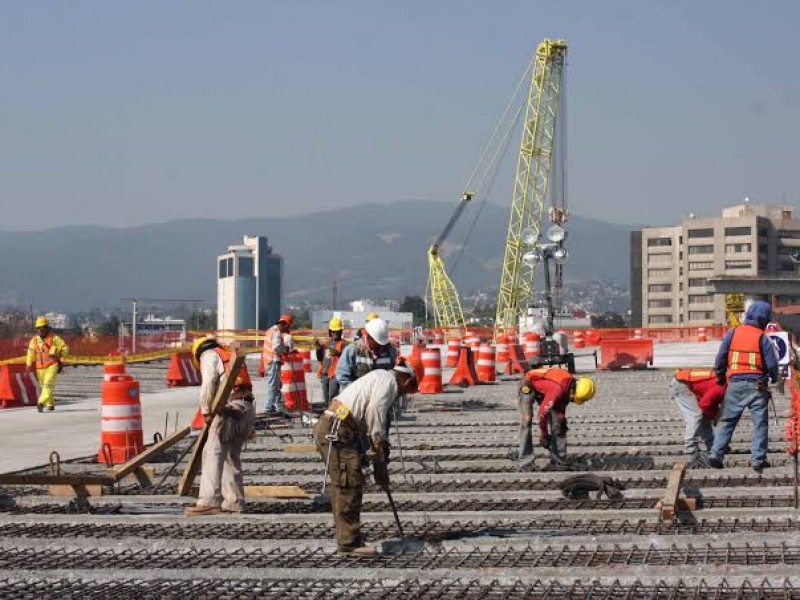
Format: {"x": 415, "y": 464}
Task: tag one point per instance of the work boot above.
{"x": 202, "y": 511}
{"x": 715, "y": 463}
{"x": 40, "y": 407}
{"x": 360, "y": 551}
{"x": 759, "y": 468}
{"x": 50, "y": 408}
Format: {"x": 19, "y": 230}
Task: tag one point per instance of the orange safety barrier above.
{"x": 121, "y": 435}
{"x": 198, "y": 422}
{"x": 620, "y": 354}
{"x": 486, "y": 366}
{"x": 517, "y": 361}
{"x": 18, "y": 387}
{"x": 453, "y": 347}
{"x": 474, "y": 342}
{"x": 502, "y": 349}
{"x": 793, "y": 422}
{"x": 113, "y": 368}
{"x": 593, "y": 338}
{"x": 532, "y": 346}
{"x": 432, "y": 380}
{"x": 701, "y": 334}
{"x": 293, "y": 383}
{"x": 306, "y": 354}
{"x": 578, "y": 340}
{"x": 416, "y": 349}
{"x": 438, "y": 337}
{"x": 465, "y": 374}
{"x": 182, "y": 371}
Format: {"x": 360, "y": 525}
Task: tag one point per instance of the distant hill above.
{"x": 376, "y": 251}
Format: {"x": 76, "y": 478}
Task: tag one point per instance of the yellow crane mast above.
{"x": 531, "y": 182}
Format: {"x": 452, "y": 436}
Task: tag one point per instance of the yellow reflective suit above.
{"x": 45, "y": 354}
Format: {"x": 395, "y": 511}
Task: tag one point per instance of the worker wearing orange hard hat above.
{"x": 278, "y": 342}
{"x": 363, "y": 409}
{"x": 46, "y": 350}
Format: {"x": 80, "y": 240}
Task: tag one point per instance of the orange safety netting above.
{"x": 793, "y": 422}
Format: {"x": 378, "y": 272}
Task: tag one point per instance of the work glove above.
{"x": 380, "y": 472}
{"x": 379, "y": 452}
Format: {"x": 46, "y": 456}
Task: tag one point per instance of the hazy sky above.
{"x": 122, "y": 113}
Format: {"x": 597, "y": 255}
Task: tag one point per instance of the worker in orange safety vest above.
{"x": 46, "y": 350}
{"x": 277, "y": 343}
{"x": 699, "y": 397}
{"x": 328, "y": 359}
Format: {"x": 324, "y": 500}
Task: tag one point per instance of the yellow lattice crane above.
{"x": 531, "y": 183}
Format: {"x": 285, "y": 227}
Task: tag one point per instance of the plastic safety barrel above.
{"x": 293, "y": 383}
{"x": 306, "y": 354}
{"x": 121, "y": 435}
{"x": 432, "y": 379}
{"x": 453, "y": 348}
{"x": 113, "y": 368}
{"x": 502, "y": 349}
{"x": 532, "y": 344}
{"x": 486, "y": 367}
{"x": 579, "y": 341}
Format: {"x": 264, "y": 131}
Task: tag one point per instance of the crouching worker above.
{"x": 699, "y": 397}
{"x": 553, "y": 390}
{"x": 363, "y": 408}
{"x": 221, "y": 481}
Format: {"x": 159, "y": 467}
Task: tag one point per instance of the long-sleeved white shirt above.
{"x": 211, "y": 371}
{"x": 370, "y": 399}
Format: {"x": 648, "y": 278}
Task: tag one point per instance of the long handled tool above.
{"x": 394, "y": 510}
{"x": 400, "y": 443}
{"x": 324, "y": 500}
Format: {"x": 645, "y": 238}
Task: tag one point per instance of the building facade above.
{"x": 671, "y": 266}
{"x": 249, "y": 285}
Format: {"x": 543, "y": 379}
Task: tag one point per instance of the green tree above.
{"x": 110, "y": 327}
{"x": 416, "y": 306}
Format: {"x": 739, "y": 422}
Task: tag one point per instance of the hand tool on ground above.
{"x": 323, "y": 500}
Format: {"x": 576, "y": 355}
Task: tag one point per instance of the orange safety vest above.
{"x": 694, "y": 375}
{"x": 243, "y": 387}
{"x": 333, "y": 360}
{"x": 42, "y": 351}
{"x": 267, "y": 351}
{"x": 558, "y": 376}
{"x": 744, "y": 354}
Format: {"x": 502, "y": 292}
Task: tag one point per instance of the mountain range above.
{"x": 373, "y": 250}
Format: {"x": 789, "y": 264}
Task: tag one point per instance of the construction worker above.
{"x": 328, "y": 358}
{"x": 370, "y": 316}
{"x": 747, "y": 361}
{"x": 46, "y": 350}
{"x": 277, "y": 342}
{"x": 221, "y": 481}
{"x": 373, "y": 351}
{"x": 699, "y": 397}
{"x": 363, "y": 409}
{"x": 553, "y": 389}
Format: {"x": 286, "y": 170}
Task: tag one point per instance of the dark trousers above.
{"x": 330, "y": 389}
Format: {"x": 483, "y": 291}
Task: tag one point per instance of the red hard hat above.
{"x": 286, "y": 319}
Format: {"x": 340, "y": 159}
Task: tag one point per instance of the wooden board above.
{"x": 300, "y": 449}
{"x": 75, "y": 491}
{"x": 274, "y": 491}
{"x": 143, "y": 476}
{"x": 670, "y": 502}
{"x": 217, "y": 404}
{"x": 45, "y": 479}
{"x": 154, "y": 450}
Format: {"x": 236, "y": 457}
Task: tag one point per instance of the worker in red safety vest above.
{"x": 328, "y": 359}
{"x": 221, "y": 479}
{"x": 699, "y": 397}
{"x": 45, "y": 353}
{"x": 748, "y": 361}
{"x": 553, "y": 390}
{"x": 277, "y": 343}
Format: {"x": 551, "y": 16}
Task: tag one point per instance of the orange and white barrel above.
{"x": 111, "y": 369}
{"x": 502, "y": 349}
{"x": 432, "y": 379}
{"x": 701, "y": 334}
{"x": 474, "y": 342}
{"x": 438, "y": 337}
{"x": 637, "y": 334}
{"x": 453, "y": 348}
{"x": 306, "y": 355}
{"x": 532, "y": 345}
{"x": 486, "y": 366}
{"x": 578, "y": 340}
{"x": 121, "y": 436}
{"x": 293, "y": 383}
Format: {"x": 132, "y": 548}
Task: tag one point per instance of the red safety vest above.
{"x": 694, "y": 375}
{"x": 744, "y": 354}
{"x": 558, "y": 376}
{"x": 243, "y": 386}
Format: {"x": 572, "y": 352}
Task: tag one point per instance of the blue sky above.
{"x": 123, "y": 113}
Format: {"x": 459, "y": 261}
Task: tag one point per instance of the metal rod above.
{"x": 173, "y": 467}
{"x": 394, "y": 510}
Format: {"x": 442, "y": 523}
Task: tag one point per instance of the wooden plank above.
{"x": 144, "y": 476}
{"x": 274, "y": 491}
{"x": 223, "y": 393}
{"x": 670, "y": 502}
{"x": 300, "y": 449}
{"x": 75, "y": 491}
{"x": 45, "y": 479}
{"x": 154, "y": 450}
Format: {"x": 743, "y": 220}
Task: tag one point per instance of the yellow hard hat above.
{"x": 41, "y": 322}
{"x": 198, "y": 344}
{"x": 335, "y": 324}
{"x": 584, "y": 390}
{"x": 372, "y": 315}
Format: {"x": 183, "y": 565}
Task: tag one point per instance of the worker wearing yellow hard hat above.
{"x": 46, "y": 350}
{"x": 328, "y": 358}
{"x": 372, "y": 315}
{"x": 553, "y": 389}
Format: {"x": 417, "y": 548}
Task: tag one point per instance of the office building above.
{"x": 249, "y": 285}
{"x": 670, "y": 266}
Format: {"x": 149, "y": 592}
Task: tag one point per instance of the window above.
{"x": 246, "y": 266}
{"x": 738, "y": 264}
{"x": 659, "y": 272}
{"x": 659, "y": 242}
{"x": 701, "y": 233}
{"x": 738, "y": 230}
{"x": 665, "y": 303}
{"x": 698, "y": 282}
{"x": 659, "y": 319}
{"x": 700, "y": 299}
{"x": 762, "y": 248}
{"x": 789, "y": 233}
{"x": 704, "y": 249}
{"x": 763, "y": 232}
{"x": 701, "y": 265}
{"x": 659, "y": 258}
{"x": 225, "y": 267}
{"x": 655, "y": 288}
{"x": 701, "y": 315}
{"x": 735, "y": 248}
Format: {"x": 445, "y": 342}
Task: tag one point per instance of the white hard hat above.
{"x": 378, "y": 330}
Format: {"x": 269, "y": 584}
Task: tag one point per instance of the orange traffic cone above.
{"x": 517, "y": 363}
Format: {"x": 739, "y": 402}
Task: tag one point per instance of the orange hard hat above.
{"x": 286, "y": 319}
{"x": 412, "y": 366}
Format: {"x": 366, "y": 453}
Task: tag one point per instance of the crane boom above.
{"x": 532, "y": 179}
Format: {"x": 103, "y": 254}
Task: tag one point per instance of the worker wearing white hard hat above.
{"x": 371, "y": 352}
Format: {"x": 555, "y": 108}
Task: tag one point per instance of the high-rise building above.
{"x": 670, "y": 266}
{"x": 249, "y": 285}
